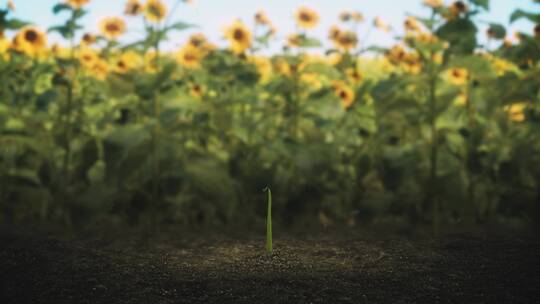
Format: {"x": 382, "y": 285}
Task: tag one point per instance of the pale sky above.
{"x": 212, "y": 15}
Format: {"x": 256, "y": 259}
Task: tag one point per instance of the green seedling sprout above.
{"x": 269, "y": 222}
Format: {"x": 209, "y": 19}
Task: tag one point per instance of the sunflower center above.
{"x": 305, "y": 17}
{"x": 238, "y": 34}
{"x": 196, "y": 42}
{"x": 31, "y": 36}
{"x": 190, "y": 57}
{"x": 456, "y": 73}
{"x": 343, "y": 94}
{"x": 112, "y": 27}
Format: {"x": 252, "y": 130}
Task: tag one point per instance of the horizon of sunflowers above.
{"x": 32, "y": 41}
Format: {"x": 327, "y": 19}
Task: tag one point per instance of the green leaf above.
{"x": 519, "y": 14}
{"x": 498, "y": 31}
{"x": 482, "y": 3}
{"x": 15, "y": 24}
{"x": 61, "y": 7}
{"x": 308, "y": 42}
{"x": 180, "y": 26}
{"x": 461, "y": 34}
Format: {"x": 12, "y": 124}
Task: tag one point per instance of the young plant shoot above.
{"x": 269, "y": 222}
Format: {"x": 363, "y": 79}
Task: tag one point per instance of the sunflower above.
{"x": 58, "y": 51}
{"x": 357, "y": 17}
{"x": 100, "y": 69}
{"x": 196, "y": 90}
{"x": 198, "y": 40}
{"x": 262, "y": 19}
{"x": 333, "y": 32}
{"x": 133, "y": 8}
{"x": 77, "y": 4}
{"x": 239, "y": 37}
{"x": 264, "y": 67}
{"x": 294, "y": 40}
{"x": 354, "y": 75}
{"x": 346, "y": 40}
{"x": 155, "y": 10}
{"x": 344, "y": 92}
{"x": 189, "y": 56}
{"x": 282, "y": 67}
{"x": 88, "y": 39}
{"x": 306, "y": 18}
{"x": 396, "y": 54}
{"x": 411, "y": 24}
{"x": 345, "y": 16}
{"x": 461, "y": 99}
{"x": 113, "y": 27}
{"x": 87, "y": 57}
{"x": 127, "y": 62}
{"x": 381, "y": 25}
{"x": 150, "y": 62}
{"x": 458, "y": 76}
{"x": 30, "y": 41}
{"x": 4, "y": 47}
{"x": 516, "y": 111}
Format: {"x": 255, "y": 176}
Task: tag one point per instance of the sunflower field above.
{"x": 438, "y": 129}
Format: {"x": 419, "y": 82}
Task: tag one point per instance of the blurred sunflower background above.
{"x": 180, "y": 111}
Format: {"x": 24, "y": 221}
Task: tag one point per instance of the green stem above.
{"x": 269, "y": 222}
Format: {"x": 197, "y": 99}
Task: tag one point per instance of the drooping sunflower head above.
{"x": 306, "y": 18}
{"x": 133, "y": 8}
{"x": 155, "y": 11}
{"x": 239, "y": 37}
{"x": 77, "y": 4}
{"x": 31, "y": 41}
{"x": 189, "y": 56}
{"x": 458, "y": 76}
{"x": 112, "y": 27}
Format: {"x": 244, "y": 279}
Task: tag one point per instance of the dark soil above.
{"x": 332, "y": 267}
